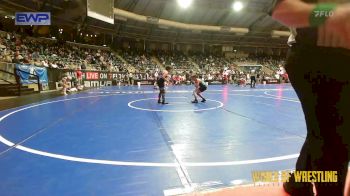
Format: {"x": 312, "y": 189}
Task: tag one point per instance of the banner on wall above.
{"x": 28, "y": 73}
{"x": 97, "y": 75}
{"x": 97, "y": 78}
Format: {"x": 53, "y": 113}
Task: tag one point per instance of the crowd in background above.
{"x": 54, "y": 54}
{"x": 138, "y": 65}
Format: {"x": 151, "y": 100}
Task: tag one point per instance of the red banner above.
{"x": 91, "y": 75}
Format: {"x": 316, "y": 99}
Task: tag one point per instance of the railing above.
{"x": 19, "y": 81}
{"x": 9, "y": 74}
{"x": 5, "y": 76}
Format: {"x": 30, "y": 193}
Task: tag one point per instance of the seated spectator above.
{"x": 7, "y": 56}
{"x": 2, "y": 46}
{"x": 103, "y": 66}
{"x": 83, "y": 65}
{"x": 45, "y": 63}
{"x": 37, "y": 62}
{"x": 26, "y": 60}
{"x": 17, "y": 59}
{"x": 35, "y": 55}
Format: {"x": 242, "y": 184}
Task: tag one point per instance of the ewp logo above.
{"x": 33, "y": 18}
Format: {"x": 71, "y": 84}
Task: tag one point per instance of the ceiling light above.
{"x": 237, "y": 6}
{"x": 184, "y": 3}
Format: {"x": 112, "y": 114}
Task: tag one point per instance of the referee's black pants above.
{"x": 320, "y": 78}
{"x": 252, "y": 81}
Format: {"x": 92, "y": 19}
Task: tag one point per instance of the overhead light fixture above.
{"x": 184, "y": 3}
{"x": 237, "y": 6}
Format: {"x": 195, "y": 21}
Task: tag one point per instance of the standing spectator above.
{"x": 79, "y": 74}
{"x": 131, "y": 78}
{"x": 155, "y": 79}
{"x": 258, "y": 79}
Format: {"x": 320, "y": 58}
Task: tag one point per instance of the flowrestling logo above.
{"x": 33, "y": 18}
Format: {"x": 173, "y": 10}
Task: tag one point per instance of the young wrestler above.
{"x": 200, "y": 87}
{"x": 64, "y": 82}
{"x": 161, "y": 81}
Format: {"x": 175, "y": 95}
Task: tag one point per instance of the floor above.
{"x": 9, "y": 102}
{"x": 120, "y": 141}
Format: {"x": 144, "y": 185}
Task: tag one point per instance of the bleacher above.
{"x": 131, "y": 65}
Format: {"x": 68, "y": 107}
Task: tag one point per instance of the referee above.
{"x": 317, "y": 66}
{"x": 252, "y": 79}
